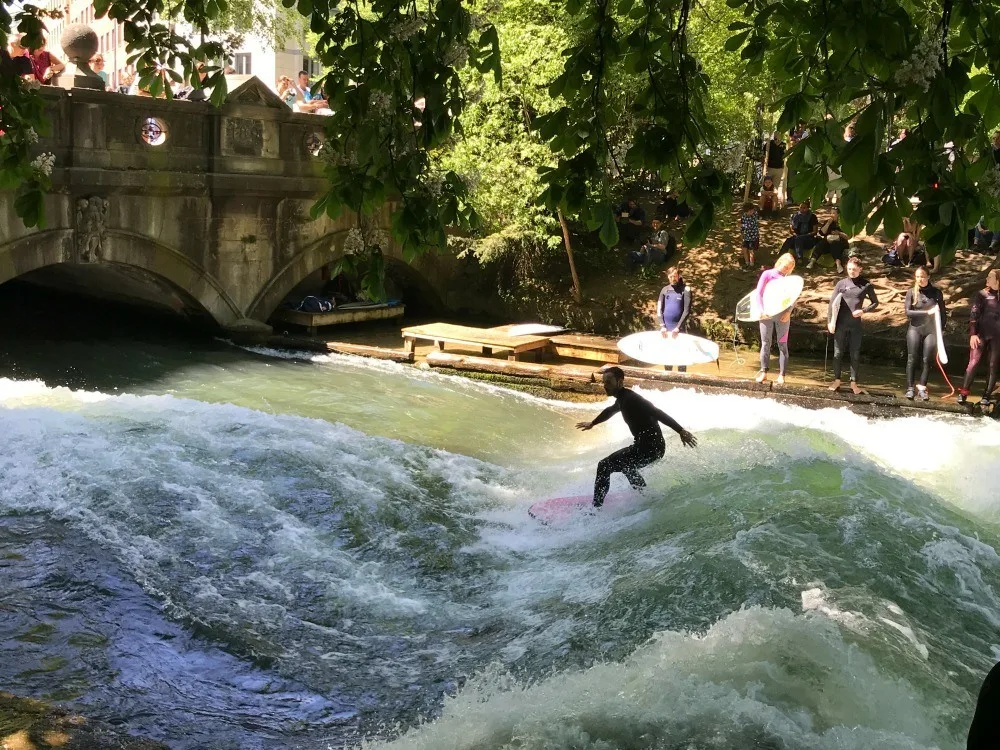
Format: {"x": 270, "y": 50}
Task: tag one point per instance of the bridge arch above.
{"x": 120, "y": 248}
{"x": 321, "y": 252}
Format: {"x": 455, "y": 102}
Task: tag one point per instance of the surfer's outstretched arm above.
{"x": 604, "y": 416}
{"x": 686, "y": 437}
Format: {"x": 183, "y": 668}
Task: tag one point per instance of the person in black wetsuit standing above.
{"x": 923, "y": 301}
{"x": 852, "y": 292}
{"x": 643, "y": 421}
{"x": 984, "y": 337}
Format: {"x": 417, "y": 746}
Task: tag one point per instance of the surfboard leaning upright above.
{"x": 779, "y": 295}
{"x": 939, "y": 337}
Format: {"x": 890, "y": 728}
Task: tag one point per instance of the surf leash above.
{"x": 945, "y": 376}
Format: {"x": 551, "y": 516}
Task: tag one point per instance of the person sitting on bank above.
{"x": 671, "y": 207}
{"x": 803, "y": 228}
{"x": 631, "y": 217}
{"x": 982, "y": 239}
{"x": 660, "y": 246}
{"x": 750, "y": 229}
{"x": 673, "y": 307}
{"x": 774, "y": 167}
{"x": 769, "y": 200}
{"x": 847, "y": 303}
{"x": 832, "y": 240}
{"x": 922, "y": 303}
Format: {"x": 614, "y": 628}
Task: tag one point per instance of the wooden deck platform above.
{"x": 598, "y": 348}
{"x": 485, "y": 340}
{"x": 339, "y": 316}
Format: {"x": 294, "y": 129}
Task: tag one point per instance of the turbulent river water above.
{"x": 222, "y": 548}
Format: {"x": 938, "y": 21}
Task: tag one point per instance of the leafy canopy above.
{"x": 631, "y": 93}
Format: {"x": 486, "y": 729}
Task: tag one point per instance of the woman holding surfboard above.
{"x": 846, "y": 309}
{"x": 777, "y": 326}
{"x": 673, "y": 307}
{"x": 922, "y": 303}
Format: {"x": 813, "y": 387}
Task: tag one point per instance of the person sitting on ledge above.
{"x": 802, "y": 227}
{"x": 631, "y": 217}
{"x": 832, "y": 241}
{"x": 769, "y": 202}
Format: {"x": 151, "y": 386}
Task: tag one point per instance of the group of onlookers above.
{"x": 657, "y": 245}
{"x": 44, "y": 65}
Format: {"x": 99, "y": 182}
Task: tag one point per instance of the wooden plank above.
{"x": 602, "y": 343}
{"x": 598, "y": 348}
{"x": 375, "y": 352}
{"x": 442, "y": 333}
{"x": 338, "y": 317}
{"x": 597, "y": 355}
{"x": 472, "y": 363}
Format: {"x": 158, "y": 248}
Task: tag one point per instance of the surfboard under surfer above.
{"x": 643, "y": 420}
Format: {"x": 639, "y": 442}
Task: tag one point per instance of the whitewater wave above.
{"x": 757, "y": 678}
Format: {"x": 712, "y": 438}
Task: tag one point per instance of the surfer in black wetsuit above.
{"x": 643, "y": 421}
{"x": 851, "y": 292}
{"x": 984, "y": 337}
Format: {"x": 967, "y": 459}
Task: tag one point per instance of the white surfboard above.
{"x": 779, "y": 295}
{"x": 652, "y": 348}
{"x": 939, "y": 337}
{"x": 533, "y": 329}
{"x": 834, "y": 312}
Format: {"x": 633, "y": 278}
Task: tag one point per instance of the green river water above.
{"x": 228, "y": 548}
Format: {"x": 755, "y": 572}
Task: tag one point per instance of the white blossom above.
{"x": 44, "y": 163}
{"x": 407, "y": 26}
{"x": 990, "y": 182}
{"x": 380, "y": 103}
{"x": 923, "y": 64}
{"x": 31, "y": 136}
{"x": 434, "y": 183}
{"x": 354, "y": 242}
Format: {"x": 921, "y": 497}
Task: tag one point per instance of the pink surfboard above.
{"x": 558, "y": 509}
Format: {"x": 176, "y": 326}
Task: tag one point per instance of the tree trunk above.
{"x": 577, "y": 293}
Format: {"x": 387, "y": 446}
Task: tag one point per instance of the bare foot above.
{"x": 761, "y": 376}
{"x": 856, "y": 390}
{"x": 835, "y": 386}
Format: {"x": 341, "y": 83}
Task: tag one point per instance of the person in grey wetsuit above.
{"x": 852, "y": 293}
{"x": 673, "y": 307}
{"x": 643, "y": 421}
{"x": 922, "y": 303}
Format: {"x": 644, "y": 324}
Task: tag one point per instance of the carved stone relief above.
{"x": 91, "y": 229}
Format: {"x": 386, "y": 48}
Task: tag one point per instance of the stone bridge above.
{"x": 201, "y": 209}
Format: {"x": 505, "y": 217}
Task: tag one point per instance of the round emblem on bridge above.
{"x": 153, "y": 131}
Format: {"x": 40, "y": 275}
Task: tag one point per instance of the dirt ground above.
{"x": 713, "y": 272}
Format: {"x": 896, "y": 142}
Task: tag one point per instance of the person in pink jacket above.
{"x": 777, "y": 327}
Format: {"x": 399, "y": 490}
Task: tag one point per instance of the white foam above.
{"x": 757, "y": 676}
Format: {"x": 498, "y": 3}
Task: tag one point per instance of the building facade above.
{"x": 256, "y": 57}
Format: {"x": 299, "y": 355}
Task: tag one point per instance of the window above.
{"x": 313, "y": 67}
{"x": 241, "y": 62}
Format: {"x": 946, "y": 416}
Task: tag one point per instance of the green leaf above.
{"x": 735, "y": 42}
{"x": 609, "y": 227}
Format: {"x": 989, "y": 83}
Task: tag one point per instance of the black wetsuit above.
{"x": 984, "y": 321}
{"x": 920, "y": 334}
{"x": 643, "y": 421}
{"x": 847, "y": 334}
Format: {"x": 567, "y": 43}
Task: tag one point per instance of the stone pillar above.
{"x": 79, "y": 43}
